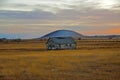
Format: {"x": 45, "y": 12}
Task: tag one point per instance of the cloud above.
{"x": 37, "y": 17}
{"x": 71, "y": 18}
{"x": 26, "y": 15}
{"x": 3, "y": 2}
{"x": 55, "y": 6}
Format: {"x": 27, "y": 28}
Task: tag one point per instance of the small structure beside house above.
{"x": 61, "y": 43}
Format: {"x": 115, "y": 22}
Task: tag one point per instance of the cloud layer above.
{"x": 57, "y": 5}
{"x": 35, "y": 18}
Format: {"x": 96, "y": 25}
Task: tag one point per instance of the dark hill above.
{"x": 63, "y": 33}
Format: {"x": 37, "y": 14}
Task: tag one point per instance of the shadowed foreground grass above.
{"x": 31, "y": 61}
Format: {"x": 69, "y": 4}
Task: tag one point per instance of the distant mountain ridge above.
{"x": 103, "y": 37}
{"x": 62, "y": 33}
{"x": 75, "y": 35}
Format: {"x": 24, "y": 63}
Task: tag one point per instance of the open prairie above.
{"x": 29, "y": 60}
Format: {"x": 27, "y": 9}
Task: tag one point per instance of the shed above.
{"x": 61, "y": 43}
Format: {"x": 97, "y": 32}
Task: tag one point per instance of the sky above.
{"x": 35, "y": 18}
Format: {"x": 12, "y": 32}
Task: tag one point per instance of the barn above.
{"x": 61, "y": 43}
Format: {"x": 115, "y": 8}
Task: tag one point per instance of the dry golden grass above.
{"x": 29, "y": 60}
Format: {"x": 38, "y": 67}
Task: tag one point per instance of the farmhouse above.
{"x": 61, "y": 43}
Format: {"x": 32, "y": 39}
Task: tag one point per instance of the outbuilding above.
{"x": 61, "y": 43}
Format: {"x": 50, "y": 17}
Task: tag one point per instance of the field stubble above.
{"x": 29, "y": 60}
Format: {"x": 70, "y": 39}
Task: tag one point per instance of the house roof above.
{"x": 62, "y": 40}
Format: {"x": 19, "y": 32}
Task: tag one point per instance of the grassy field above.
{"x": 29, "y": 60}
